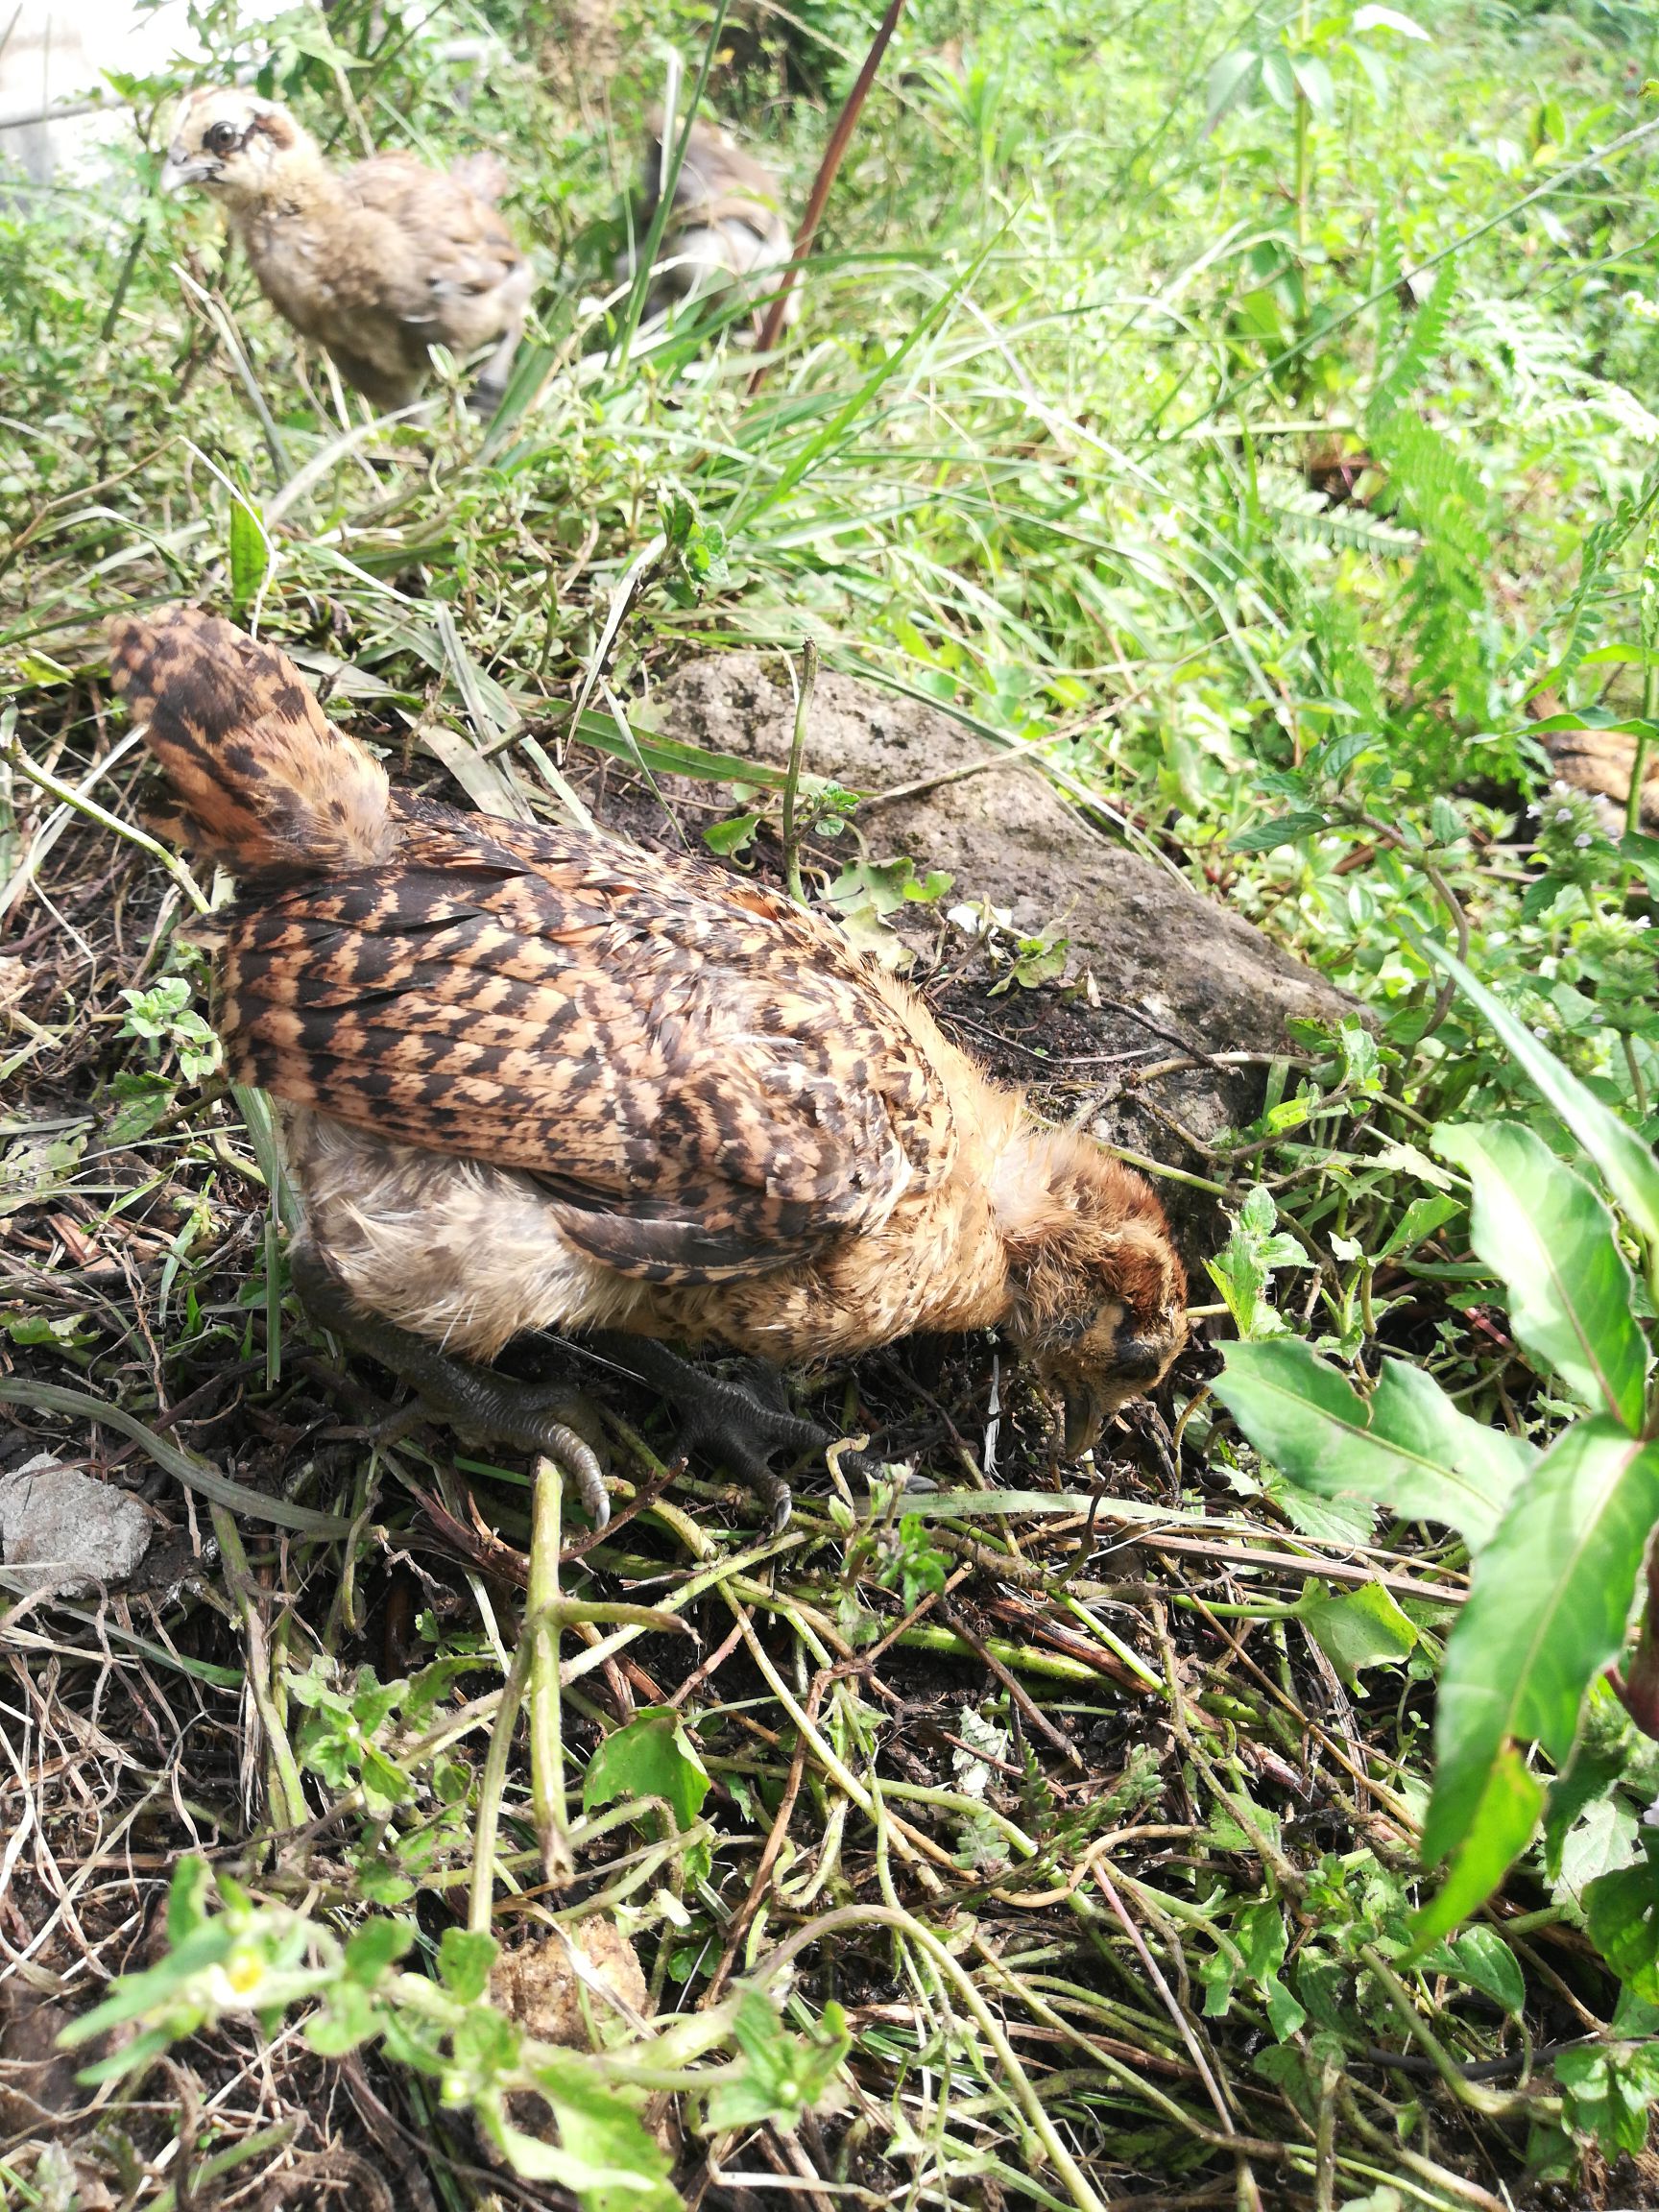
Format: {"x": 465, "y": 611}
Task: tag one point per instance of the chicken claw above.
{"x": 743, "y": 1420}
{"x": 474, "y": 1400}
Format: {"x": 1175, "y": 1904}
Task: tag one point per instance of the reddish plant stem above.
{"x": 839, "y": 139}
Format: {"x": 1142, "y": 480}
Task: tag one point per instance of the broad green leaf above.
{"x": 348, "y": 2018}
{"x": 1480, "y": 1958}
{"x": 725, "y": 839}
{"x": 1631, "y": 1169}
{"x": 1313, "y": 82}
{"x": 1610, "y": 2093}
{"x": 188, "y": 1898}
{"x": 1499, "y": 1830}
{"x": 1596, "y": 1766}
{"x": 1375, "y": 18}
{"x": 607, "y": 2155}
{"x": 1276, "y": 76}
{"x": 1283, "y": 829}
{"x": 1218, "y": 1973}
{"x": 1604, "y": 1840}
{"x": 1544, "y": 1230}
{"x": 597, "y": 2187}
{"x": 1356, "y": 1629}
{"x": 376, "y": 1945}
{"x": 1549, "y": 1608}
{"x": 1230, "y": 80}
{"x": 651, "y": 1757}
{"x": 783, "y": 2074}
{"x": 1259, "y": 1935}
{"x": 1418, "y": 1223}
{"x": 1622, "y": 1912}
{"x": 1408, "y": 1448}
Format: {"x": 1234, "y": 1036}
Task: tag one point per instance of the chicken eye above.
{"x": 222, "y": 138}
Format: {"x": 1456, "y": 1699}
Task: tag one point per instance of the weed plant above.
{"x": 1249, "y": 413}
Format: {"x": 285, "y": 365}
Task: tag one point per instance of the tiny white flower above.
{"x": 1582, "y": 844}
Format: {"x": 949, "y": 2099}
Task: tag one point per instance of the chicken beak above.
{"x": 176, "y": 174}
{"x": 1085, "y": 1418}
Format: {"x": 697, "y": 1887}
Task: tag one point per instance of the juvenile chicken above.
{"x": 376, "y": 262}
{"x": 536, "y": 1080}
{"x": 724, "y": 225}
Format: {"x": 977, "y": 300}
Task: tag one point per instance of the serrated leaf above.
{"x": 1408, "y": 1448}
{"x": 1480, "y": 1958}
{"x": 1546, "y": 1233}
{"x": 1621, "y": 1913}
{"x": 1549, "y": 1608}
{"x": 1624, "y": 1161}
{"x": 464, "y": 1957}
{"x": 1362, "y": 1062}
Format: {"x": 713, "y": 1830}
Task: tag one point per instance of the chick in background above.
{"x": 375, "y": 262}
{"x": 725, "y": 224}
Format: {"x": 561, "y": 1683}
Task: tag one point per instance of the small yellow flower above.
{"x": 243, "y": 1970}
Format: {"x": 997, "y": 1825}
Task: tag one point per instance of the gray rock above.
{"x": 67, "y": 1531}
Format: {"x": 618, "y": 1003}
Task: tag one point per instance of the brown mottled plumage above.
{"x": 542, "y": 1080}
{"x": 726, "y": 223}
{"x": 375, "y": 262}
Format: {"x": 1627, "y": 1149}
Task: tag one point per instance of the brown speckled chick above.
{"x": 535, "y": 1080}
{"x": 375, "y": 262}
{"x": 726, "y": 223}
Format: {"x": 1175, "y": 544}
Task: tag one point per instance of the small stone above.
{"x": 67, "y": 1532}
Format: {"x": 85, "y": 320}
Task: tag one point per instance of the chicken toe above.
{"x": 742, "y": 1421}
{"x": 473, "y": 1401}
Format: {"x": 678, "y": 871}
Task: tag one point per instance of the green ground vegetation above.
{"x": 1250, "y": 410}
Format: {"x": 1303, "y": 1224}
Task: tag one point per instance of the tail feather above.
{"x": 261, "y": 782}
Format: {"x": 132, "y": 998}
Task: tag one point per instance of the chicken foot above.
{"x": 474, "y": 1400}
{"x": 743, "y": 1422}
